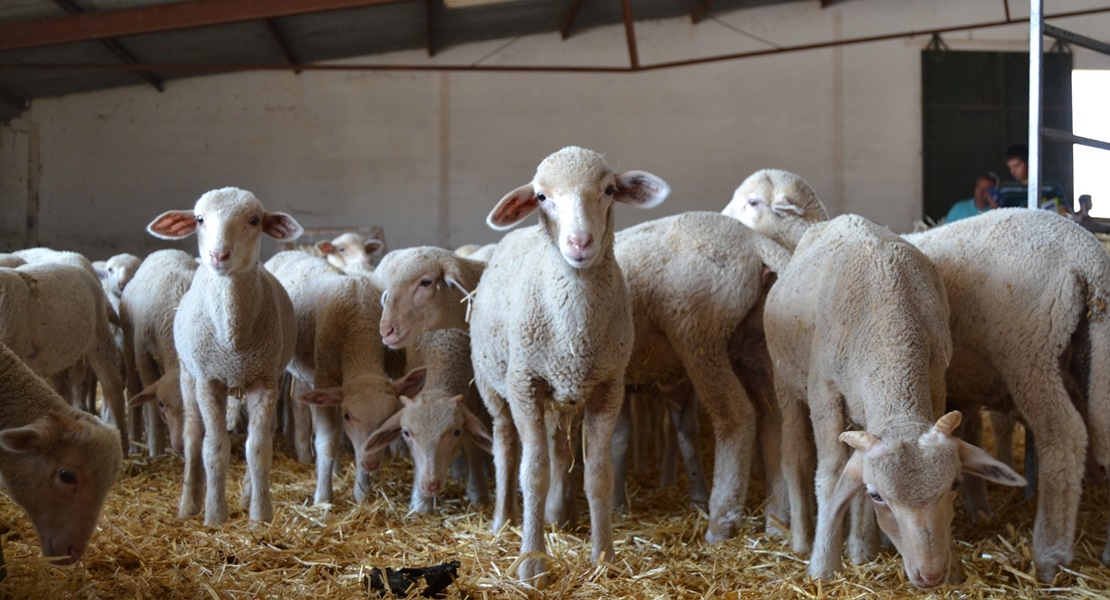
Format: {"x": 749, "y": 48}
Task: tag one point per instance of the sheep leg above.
{"x": 535, "y": 471}
{"x": 620, "y": 458}
{"x": 724, "y": 398}
{"x": 602, "y": 411}
{"x": 668, "y": 456}
{"x": 1002, "y": 428}
{"x": 559, "y": 508}
{"x": 1061, "y": 450}
{"x": 828, "y": 541}
{"x": 261, "y": 406}
{"x": 149, "y": 373}
{"x": 302, "y": 427}
{"x": 761, "y": 390}
{"x": 506, "y": 456}
{"x": 327, "y": 425}
{"x": 192, "y": 492}
{"x": 105, "y": 362}
{"x": 682, "y": 406}
{"x": 863, "y": 542}
{"x": 797, "y": 466}
{"x": 976, "y": 504}
{"x": 212, "y": 402}
{"x": 477, "y": 487}
{"x": 155, "y": 429}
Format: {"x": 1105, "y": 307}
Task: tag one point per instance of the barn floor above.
{"x": 143, "y": 551}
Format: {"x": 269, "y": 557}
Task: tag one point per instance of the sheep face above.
{"x": 166, "y": 392}
{"x": 419, "y": 288}
{"x": 350, "y": 249}
{"x": 65, "y": 468}
{"x": 575, "y": 191}
{"x": 913, "y": 485}
{"x": 773, "y": 201}
{"x": 229, "y": 223}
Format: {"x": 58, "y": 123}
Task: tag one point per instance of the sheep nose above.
{"x": 928, "y": 580}
{"x": 387, "y": 330}
{"x": 218, "y": 256}
{"x": 578, "y": 242}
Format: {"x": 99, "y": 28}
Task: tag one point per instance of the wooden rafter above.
{"x": 700, "y": 10}
{"x": 630, "y": 32}
{"x": 572, "y": 14}
{"x": 115, "y": 48}
{"x": 282, "y": 43}
{"x": 160, "y": 17}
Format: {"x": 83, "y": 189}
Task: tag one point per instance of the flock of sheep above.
{"x": 854, "y": 362}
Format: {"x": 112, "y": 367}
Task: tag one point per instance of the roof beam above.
{"x": 572, "y": 14}
{"x": 700, "y": 10}
{"x": 429, "y": 40}
{"x": 160, "y": 17}
{"x": 629, "y": 31}
{"x": 115, "y": 48}
{"x": 282, "y": 44}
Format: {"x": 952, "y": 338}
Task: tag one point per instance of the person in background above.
{"x": 1015, "y": 193}
{"x": 1084, "y": 218}
{"x": 985, "y": 198}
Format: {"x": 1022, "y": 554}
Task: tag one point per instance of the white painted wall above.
{"x": 427, "y": 154}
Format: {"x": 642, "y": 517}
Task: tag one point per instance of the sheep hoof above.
{"x": 533, "y": 571}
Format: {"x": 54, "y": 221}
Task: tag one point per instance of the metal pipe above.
{"x": 1036, "y": 59}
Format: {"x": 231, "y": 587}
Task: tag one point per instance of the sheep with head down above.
{"x": 551, "y": 335}
{"x": 857, "y": 326}
{"x": 235, "y": 332}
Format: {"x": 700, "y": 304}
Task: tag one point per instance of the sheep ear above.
{"x": 784, "y": 206}
{"x": 281, "y": 227}
{"x": 849, "y": 484}
{"x": 149, "y": 394}
{"x": 477, "y": 430}
{"x": 976, "y": 461}
{"x": 453, "y": 276}
{"x": 40, "y": 435}
{"x": 101, "y": 271}
{"x": 373, "y": 246}
{"x": 325, "y": 247}
{"x": 860, "y": 440}
{"x": 411, "y": 384}
{"x": 513, "y": 208}
{"x": 384, "y": 435}
{"x": 173, "y": 225}
{"x": 322, "y": 397}
{"x": 641, "y": 189}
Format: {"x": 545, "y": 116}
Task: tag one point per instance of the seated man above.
{"x": 983, "y": 199}
{"x": 1015, "y": 193}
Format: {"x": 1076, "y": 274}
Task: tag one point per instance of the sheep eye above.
{"x": 199, "y": 219}
{"x": 425, "y": 282}
{"x": 876, "y": 496}
{"x": 254, "y": 221}
{"x": 458, "y": 432}
{"x": 405, "y": 432}
{"x": 67, "y": 477}
{"x": 609, "y": 191}
{"x": 955, "y": 484}
{"x": 541, "y": 197}
{"x": 753, "y": 201}
{"x": 346, "y": 416}
{"x": 161, "y": 405}
{"x": 384, "y": 294}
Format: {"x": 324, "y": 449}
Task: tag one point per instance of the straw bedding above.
{"x": 142, "y": 550}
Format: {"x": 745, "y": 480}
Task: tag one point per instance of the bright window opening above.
{"x": 1090, "y": 92}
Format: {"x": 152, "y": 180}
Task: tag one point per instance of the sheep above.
{"x": 438, "y": 424}
{"x": 1026, "y": 289}
{"x": 33, "y": 300}
{"x": 148, "y": 305}
{"x": 57, "y": 462}
{"x": 350, "y": 251}
{"x": 234, "y": 332}
{"x": 11, "y": 261}
{"x": 694, "y": 279}
{"x": 551, "y": 335}
{"x": 857, "y": 328}
{"x": 115, "y": 273}
{"x": 339, "y": 355}
{"x": 476, "y": 252}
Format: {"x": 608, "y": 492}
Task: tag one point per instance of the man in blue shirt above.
{"x": 984, "y": 199}
{"x": 1015, "y": 193}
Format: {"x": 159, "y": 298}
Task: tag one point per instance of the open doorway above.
{"x": 1090, "y": 94}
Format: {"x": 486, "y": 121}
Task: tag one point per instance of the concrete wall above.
{"x": 427, "y": 154}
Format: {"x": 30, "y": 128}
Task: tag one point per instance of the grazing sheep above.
{"x": 340, "y": 356}
{"x": 438, "y": 423}
{"x": 694, "y": 279}
{"x": 423, "y": 289}
{"x": 57, "y": 462}
{"x": 857, "y": 327}
{"x": 551, "y": 335}
{"x": 147, "y": 309}
{"x": 350, "y": 251}
{"x": 55, "y": 315}
{"x": 1028, "y": 288}
{"x": 235, "y": 332}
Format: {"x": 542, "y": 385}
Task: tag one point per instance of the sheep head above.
{"x": 422, "y": 289}
{"x": 778, "y": 204}
{"x": 912, "y": 482}
{"x": 575, "y": 191}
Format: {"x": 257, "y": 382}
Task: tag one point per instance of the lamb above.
{"x": 476, "y": 252}
{"x": 115, "y": 273}
{"x": 147, "y": 308}
{"x": 57, "y": 462}
{"x": 694, "y": 280}
{"x": 1028, "y": 288}
{"x": 551, "y": 335}
{"x": 351, "y": 251}
{"x": 339, "y": 355}
{"x": 33, "y": 298}
{"x": 438, "y": 424}
{"x": 857, "y": 327}
{"x": 235, "y": 332}
{"x": 422, "y": 290}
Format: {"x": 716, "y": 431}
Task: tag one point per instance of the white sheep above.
{"x": 235, "y": 332}
{"x": 350, "y": 251}
{"x": 340, "y": 356}
{"x": 439, "y": 422}
{"x": 115, "y": 273}
{"x": 147, "y": 309}
{"x": 551, "y": 335}
{"x": 57, "y": 462}
{"x": 857, "y": 328}
{"x": 694, "y": 280}
{"x": 476, "y": 251}
{"x": 1026, "y": 289}
{"x": 55, "y": 315}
